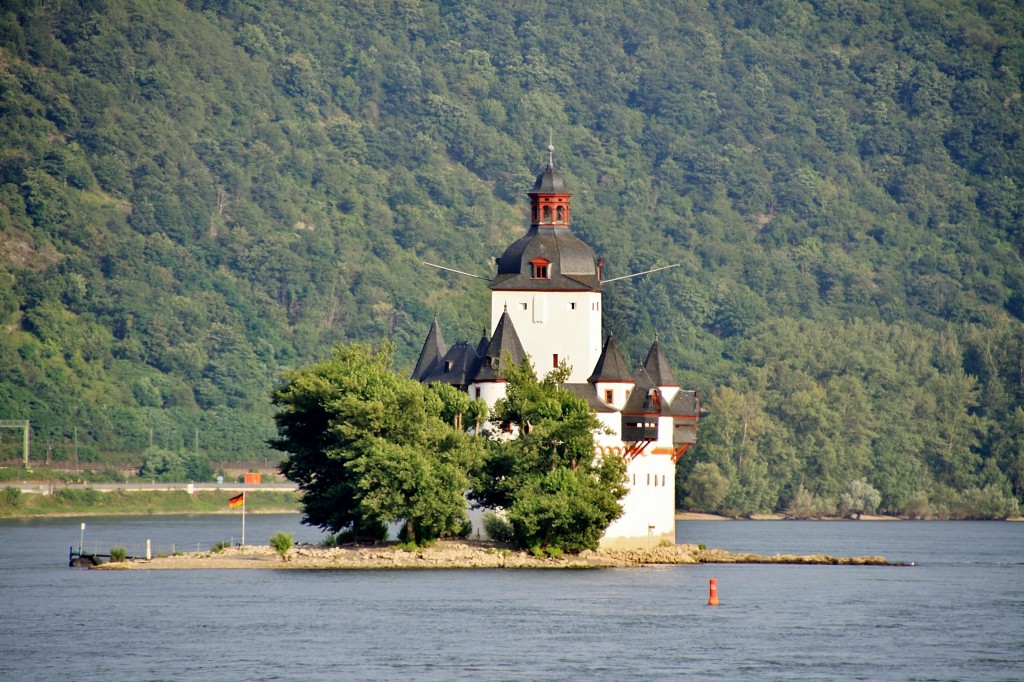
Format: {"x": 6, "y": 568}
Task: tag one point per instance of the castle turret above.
{"x": 550, "y": 283}
{"x": 611, "y": 379}
{"x": 660, "y": 373}
{"x": 430, "y": 355}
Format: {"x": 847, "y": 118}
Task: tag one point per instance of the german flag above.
{"x": 236, "y": 500}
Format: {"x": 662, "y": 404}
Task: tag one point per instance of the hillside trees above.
{"x": 196, "y": 196}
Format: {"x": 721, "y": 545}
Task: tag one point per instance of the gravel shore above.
{"x": 449, "y": 554}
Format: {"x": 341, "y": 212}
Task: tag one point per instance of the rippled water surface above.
{"x": 957, "y": 614}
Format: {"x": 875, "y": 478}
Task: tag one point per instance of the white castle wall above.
{"x": 649, "y": 506}
{"x": 557, "y": 322}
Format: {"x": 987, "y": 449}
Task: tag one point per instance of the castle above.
{"x": 546, "y": 302}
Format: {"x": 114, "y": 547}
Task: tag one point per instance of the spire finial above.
{"x": 551, "y": 150}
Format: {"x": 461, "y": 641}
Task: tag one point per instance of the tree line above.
{"x": 197, "y": 197}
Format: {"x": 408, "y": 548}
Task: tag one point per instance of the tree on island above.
{"x": 368, "y": 448}
{"x": 556, "y": 494}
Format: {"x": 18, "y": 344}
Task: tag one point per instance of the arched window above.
{"x": 547, "y": 214}
{"x": 560, "y": 214}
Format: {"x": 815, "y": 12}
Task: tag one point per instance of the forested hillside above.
{"x": 197, "y": 195}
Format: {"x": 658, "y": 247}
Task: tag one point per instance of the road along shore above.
{"x": 450, "y": 554}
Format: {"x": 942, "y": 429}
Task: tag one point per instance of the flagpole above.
{"x": 243, "y": 518}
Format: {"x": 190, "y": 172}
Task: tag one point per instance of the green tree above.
{"x": 368, "y": 448}
{"x": 556, "y": 493}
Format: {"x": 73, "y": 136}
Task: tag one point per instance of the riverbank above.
{"x": 462, "y": 555}
{"x": 64, "y": 502}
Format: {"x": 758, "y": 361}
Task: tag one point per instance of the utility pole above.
{"x": 26, "y": 426}
{"x": 76, "y": 449}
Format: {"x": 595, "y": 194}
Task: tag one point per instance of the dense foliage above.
{"x": 554, "y": 493}
{"x": 196, "y": 196}
{"x": 369, "y": 448}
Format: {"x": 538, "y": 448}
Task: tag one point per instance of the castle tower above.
{"x": 550, "y": 283}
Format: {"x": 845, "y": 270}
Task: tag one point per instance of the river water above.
{"x": 957, "y": 614}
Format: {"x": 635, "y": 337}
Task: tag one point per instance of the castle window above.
{"x": 554, "y": 360}
{"x": 477, "y": 391}
{"x": 560, "y": 214}
{"x": 547, "y": 214}
{"x": 522, "y": 306}
{"x": 609, "y": 395}
{"x": 648, "y": 479}
{"x": 663, "y": 480}
{"x": 541, "y": 268}
{"x": 572, "y": 306}
{"x": 534, "y": 214}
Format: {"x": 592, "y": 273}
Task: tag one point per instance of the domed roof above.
{"x": 571, "y": 264}
{"x": 549, "y": 182}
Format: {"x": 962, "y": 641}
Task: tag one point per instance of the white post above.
{"x": 243, "y": 518}
{"x": 81, "y": 538}
{"x": 149, "y": 549}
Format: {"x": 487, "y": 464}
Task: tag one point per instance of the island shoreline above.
{"x": 462, "y": 555}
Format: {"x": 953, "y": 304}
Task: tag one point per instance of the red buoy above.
{"x": 713, "y": 598}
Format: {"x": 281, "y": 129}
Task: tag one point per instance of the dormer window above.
{"x": 541, "y": 268}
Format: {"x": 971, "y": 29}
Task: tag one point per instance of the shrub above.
{"x": 282, "y": 542}
{"x": 117, "y": 554}
{"x": 497, "y": 527}
{"x": 10, "y": 497}
{"x": 806, "y": 505}
{"x": 554, "y": 552}
{"x": 918, "y": 506}
{"x": 345, "y": 537}
{"x": 860, "y": 498}
{"x": 219, "y": 547}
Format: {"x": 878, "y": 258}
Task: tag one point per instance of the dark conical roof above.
{"x": 433, "y": 350}
{"x": 456, "y": 368}
{"x": 657, "y": 367}
{"x": 646, "y": 398}
{"x": 549, "y": 182}
{"x": 504, "y": 340}
{"x": 610, "y": 366}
